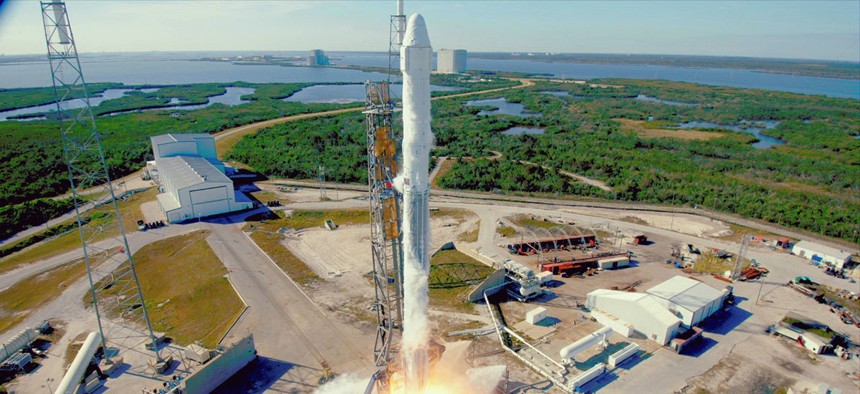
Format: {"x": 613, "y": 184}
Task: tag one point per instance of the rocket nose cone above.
{"x": 416, "y": 32}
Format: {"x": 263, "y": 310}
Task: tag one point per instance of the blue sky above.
{"x": 787, "y": 29}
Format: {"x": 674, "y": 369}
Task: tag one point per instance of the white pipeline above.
{"x": 73, "y": 377}
{"x": 415, "y": 62}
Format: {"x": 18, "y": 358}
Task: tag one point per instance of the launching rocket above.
{"x": 416, "y": 57}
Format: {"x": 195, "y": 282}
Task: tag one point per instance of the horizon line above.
{"x": 540, "y": 53}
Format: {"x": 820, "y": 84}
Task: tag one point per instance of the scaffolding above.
{"x": 385, "y": 223}
{"x": 396, "y": 30}
{"x": 114, "y": 288}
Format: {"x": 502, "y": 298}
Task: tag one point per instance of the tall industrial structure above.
{"x": 385, "y": 224}
{"x": 116, "y": 296}
{"x": 451, "y": 61}
{"x": 386, "y": 242}
{"x": 396, "y": 31}
{"x": 317, "y": 57}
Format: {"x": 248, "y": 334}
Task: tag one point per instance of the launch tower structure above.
{"x": 114, "y": 288}
{"x": 382, "y": 144}
{"x": 396, "y": 31}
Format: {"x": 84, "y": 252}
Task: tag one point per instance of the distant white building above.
{"x": 824, "y": 254}
{"x": 660, "y": 313}
{"x": 451, "y": 61}
{"x": 191, "y": 178}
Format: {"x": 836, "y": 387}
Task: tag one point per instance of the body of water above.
{"x": 341, "y": 94}
{"x": 502, "y": 107}
{"x": 556, "y": 93}
{"x": 233, "y": 96}
{"x": 168, "y": 72}
{"x": 108, "y": 94}
{"x": 176, "y": 68}
{"x": 520, "y": 130}
{"x": 650, "y": 99}
{"x": 754, "y": 128}
{"x": 739, "y": 78}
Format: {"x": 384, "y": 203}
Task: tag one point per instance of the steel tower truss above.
{"x": 395, "y": 39}
{"x": 385, "y": 221}
{"x": 114, "y": 288}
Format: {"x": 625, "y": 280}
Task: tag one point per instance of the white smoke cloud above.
{"x": 344, "y": 384}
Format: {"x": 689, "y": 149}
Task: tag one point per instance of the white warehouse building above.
{"x": 640, "y": 311}
{"x": 451, "y": 61}
{"x": 192, "y": 180}
{"x": 694, "y": 301}
{"x": 660, "y": 313}
{"x": 824, "y": 254}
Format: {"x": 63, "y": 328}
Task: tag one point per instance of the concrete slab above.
{"x": 152, "y": 212}
{"x": 532, "y": 331}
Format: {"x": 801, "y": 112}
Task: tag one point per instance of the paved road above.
{"x": 286, "y": 324}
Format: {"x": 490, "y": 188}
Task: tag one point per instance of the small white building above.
{"x": 611, "y": 263}
{"x": 536, "y": 315}
{"x": 451, "y": 61}
{"x": 191, "y": 178}
{"x": 821, "y": 253}
{"x": 694, "y": 301}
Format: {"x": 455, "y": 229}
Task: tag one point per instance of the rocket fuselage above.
{"x": 416, "y": 56}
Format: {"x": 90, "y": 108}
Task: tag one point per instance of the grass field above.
{"x": 709, "y": 263}
{"x": 471, "y": 235}
{"x": 19, "y": 300}
{"x": 532, "y": 221}
{"x": 185, "y": 289}
{"x": 298, "y": 271}
{"x": 129, "y": 209}
{"x": 641, "y": 129}
{"x": 301, "y": 219}
{"x": 506, "y": 231}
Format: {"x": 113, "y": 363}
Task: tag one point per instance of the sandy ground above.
{"x": 298, "y": 194}
{"x": 343, "y": 258}
{"x": 685, "y": 224}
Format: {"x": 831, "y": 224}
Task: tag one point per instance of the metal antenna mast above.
{"x": 384, "y": 223}
{"x": 114, "y": 288}
{"x": 739, "y": 261}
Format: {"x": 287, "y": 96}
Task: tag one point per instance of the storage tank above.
{"x": 570, "y": 351}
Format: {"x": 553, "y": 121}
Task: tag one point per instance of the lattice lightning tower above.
{"x": 114, "y": 289}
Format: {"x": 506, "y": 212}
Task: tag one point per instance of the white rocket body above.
{"x": 415, "y": 62}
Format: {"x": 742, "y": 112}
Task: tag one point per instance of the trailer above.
{"x": 583, "y": 264}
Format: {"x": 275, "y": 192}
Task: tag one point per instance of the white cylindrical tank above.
{"x": 72, "y": 379}
{"x": 570, "y": 351}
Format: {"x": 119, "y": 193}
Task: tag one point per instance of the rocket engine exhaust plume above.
{"x": 416, "y": 57}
